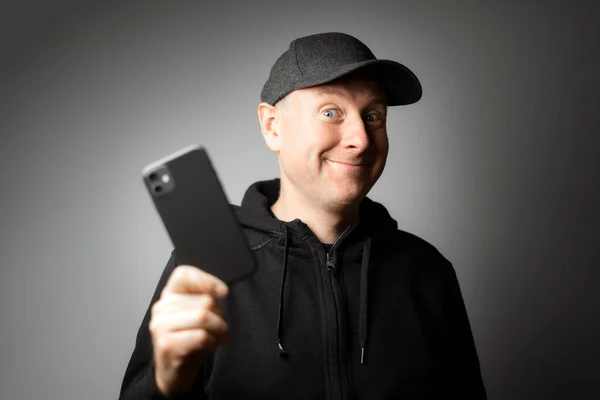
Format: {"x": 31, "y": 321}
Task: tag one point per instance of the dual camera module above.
{"x": 159, "y": 181}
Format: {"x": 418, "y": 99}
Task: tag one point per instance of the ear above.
{"x": 269, "y": 117}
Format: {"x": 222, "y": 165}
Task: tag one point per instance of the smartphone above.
{"x": 197, "y": 215}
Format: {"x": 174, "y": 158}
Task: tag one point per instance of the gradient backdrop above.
{"x": 497, "y": 166}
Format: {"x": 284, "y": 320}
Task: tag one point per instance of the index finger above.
{"x": 192, "y": 280}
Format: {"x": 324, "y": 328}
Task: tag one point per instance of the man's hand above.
{"x": 185, "y": 323}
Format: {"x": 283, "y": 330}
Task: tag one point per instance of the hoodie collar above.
{"x": 260, "y": 196}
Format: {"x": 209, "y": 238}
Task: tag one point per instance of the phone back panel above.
{"x": 197, "y": 216}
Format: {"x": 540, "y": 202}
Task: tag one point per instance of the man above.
{"x": 342, "y": 305}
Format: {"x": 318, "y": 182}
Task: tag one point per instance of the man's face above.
{"x": 333, "y": 142}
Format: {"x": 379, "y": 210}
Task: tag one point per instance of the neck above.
{"x": 326, "y": 223}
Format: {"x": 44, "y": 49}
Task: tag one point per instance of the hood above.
{"x": 254, "y": 213}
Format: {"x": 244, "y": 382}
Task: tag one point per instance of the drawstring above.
{"x": 364, "y": 287}
{"x": 282, "y": 352}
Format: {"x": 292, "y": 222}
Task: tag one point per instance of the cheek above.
{"x": 309, "y": 139}
{"x": 382, "y": 147}
{"x": 324, "y": 137}
{"x": 295, "y": 151}
{"x": 382, "y": 144}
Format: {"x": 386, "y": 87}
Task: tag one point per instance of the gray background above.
{"x": 496, "y": 166}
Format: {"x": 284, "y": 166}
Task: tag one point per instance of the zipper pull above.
{"x": 330, "y": 263}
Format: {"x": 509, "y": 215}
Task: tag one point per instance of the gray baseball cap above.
{"x": 317, "y": 59}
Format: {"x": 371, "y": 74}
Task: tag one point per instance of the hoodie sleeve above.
{"x": 138, "y": 382}
{"x": 463, "y": 369}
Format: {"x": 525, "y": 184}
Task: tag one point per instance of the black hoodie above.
{"x": 378, "y": 315}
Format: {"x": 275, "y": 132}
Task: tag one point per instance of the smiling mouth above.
{"x": 348, "y": 164}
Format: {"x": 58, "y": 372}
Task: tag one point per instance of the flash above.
{"x": 165, "y": 178}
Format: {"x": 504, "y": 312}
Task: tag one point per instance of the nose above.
{"x": 355, "y": 134}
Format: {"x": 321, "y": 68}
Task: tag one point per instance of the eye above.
{"x": 329, "y": 113}
{"x": 374, "y": 117}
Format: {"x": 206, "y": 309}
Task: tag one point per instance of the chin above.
{"x": 348, "y": 197}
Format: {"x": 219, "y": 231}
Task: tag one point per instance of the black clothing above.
{"x": 378, "y": 316}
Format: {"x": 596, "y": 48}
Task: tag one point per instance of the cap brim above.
{"x": 401, "y": 85}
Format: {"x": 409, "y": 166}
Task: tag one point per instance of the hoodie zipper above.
{"x": 331, "y": 268}
{"x": 339, "y": 304}
{"x": 329, "y": 257}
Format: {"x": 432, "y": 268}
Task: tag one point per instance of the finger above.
{"x": 189, "y": 279}
{"x": 181, "y": 344}
{"x": 193, "y": 319}
{"x": 174, "y": 302}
